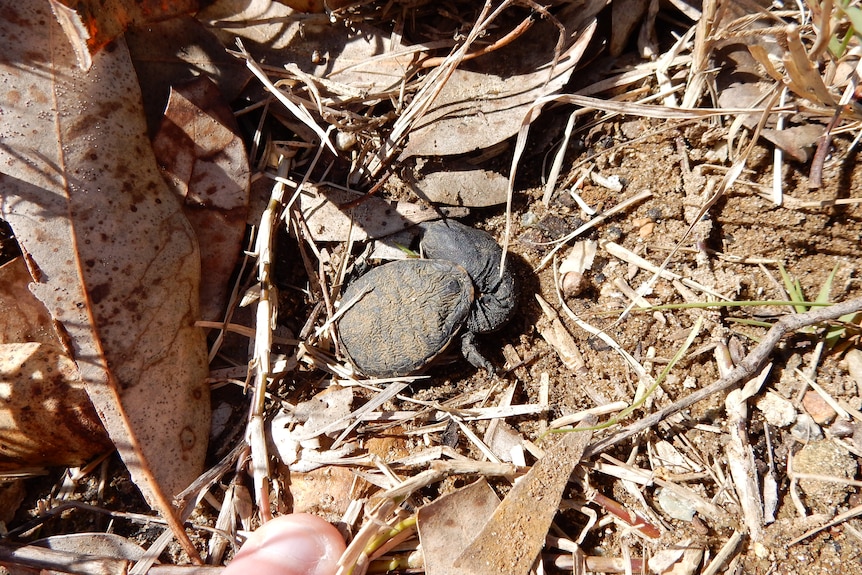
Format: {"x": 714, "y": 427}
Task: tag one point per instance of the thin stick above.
{"x": 747, "y": 368}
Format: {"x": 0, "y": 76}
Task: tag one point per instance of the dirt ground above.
{"x": 735, "y": 250}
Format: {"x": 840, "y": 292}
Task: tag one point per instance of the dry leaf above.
{"x": 626, "y": 15}
{"x": 348, "y": 66}
{"x": 475, "y": 188}
{"x": 446, "y": 528}
{"x": 104, "y": 553}
{"x": 90, "y": 25}
{"x": 46, "y": 418}
{"x": 485, "y": 104}
{"x": 204, "y": 161}
{"x": 372, "y": 218}
{"x": 23, "y": 318}
{"x": 559, "y": 338}
{"x": 115, "y": 260}
{"x": 510, "y": 541}
{"x": 178, "y": 50}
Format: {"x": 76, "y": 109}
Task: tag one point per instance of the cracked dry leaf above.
{"x": 114, "y": 260}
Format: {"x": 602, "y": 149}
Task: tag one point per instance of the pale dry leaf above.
{"x": 94, "y": 544}
{"x": 169, "y": 53}
{"x": 580, "y": 258}
{"x": 475, "y": 187}
{"x": 115, "y": 260}
{"x": 204, "y": 161}
{"x": 374, "y": 217}
{"x": 510, "y": 541}
{"x": 485, "y": 103}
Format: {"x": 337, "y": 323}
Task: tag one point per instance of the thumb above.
{"x": 296, "y": 544}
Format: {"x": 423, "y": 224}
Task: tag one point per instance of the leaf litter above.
{"x": 665, "y": 204}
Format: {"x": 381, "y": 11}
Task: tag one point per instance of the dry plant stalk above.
{"x": 746, "y": 369}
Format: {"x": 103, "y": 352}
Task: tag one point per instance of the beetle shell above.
{"x": 407, "y": 313}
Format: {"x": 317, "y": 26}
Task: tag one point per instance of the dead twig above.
{"x": 746, "y": 369}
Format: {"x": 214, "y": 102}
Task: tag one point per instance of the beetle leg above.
{"x": 471, "y": 353}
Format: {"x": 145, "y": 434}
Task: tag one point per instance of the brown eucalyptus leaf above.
{"x": 169, "y": 53}
{"x": 114, "y": 260}
{"x": 23, "y": 318}
{"x": 204, "y": 161}
{"x": 347, "y": 55}
{"x": 511, "y": 539}
{"x": 450, "y": 523}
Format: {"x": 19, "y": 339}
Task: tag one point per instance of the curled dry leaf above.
{"x": 46, "y": 418}
{"x": 90, "y": 25}
{"x": 114, "y": 260}
{"x": 205, "y": 163}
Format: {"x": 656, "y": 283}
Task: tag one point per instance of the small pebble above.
{"x": 817, "y": 408}
{"x": 806, "y": 429}
{"x": 842, "y": 428}
{"x": 776, "y": 410}
{"x": 572, "y": 284}
{"x": 529, "y": 219}
{"x": 674, "y": 506}
{"x": 854, "y": 365}
{"x": 646, "y": 230}
{"x": 614, "y": 233}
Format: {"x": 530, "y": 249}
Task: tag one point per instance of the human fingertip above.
{"x": 295, "y": 544}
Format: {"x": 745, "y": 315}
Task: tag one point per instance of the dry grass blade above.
{"x": 299, "y": 112}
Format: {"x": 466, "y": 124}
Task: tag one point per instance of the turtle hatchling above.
{"x": 405, "y": 313}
